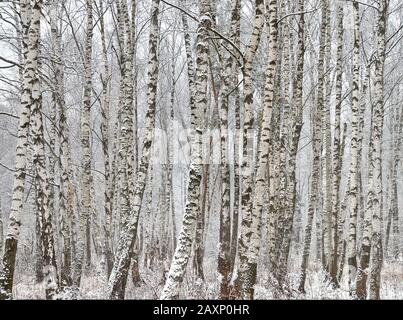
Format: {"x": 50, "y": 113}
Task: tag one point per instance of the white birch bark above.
{"x": 39, "y": 162}
{"x": 30, "y": 55}
{"x": 66, "y": 193}
{"x": 246, "y": 169}
{"x": 118, "y": 277}
{"x": 316, "y": 140}
{"x": 85, "y": 139}
{"x": 183, "y": 249}
{"x": 105, "y": 133}
{"x": 337, "y": 159}
{"x": 228, "y": 85}
{"x": 262, "y": 155}
{"x": 327, "y": 157}
{"x": 297, "y": 114}
{"x": 353, "y": 174}
{"x": 376, "y": 255}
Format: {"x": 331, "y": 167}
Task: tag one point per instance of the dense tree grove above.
{"x": 235, "y": 149}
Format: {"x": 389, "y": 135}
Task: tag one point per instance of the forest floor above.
{"x": 318, "y": 286}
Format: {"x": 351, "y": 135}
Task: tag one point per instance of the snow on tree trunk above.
{"x": 39, "y": 161}
{"x": 128, "y": 234}
{"x": 183, "y": 249}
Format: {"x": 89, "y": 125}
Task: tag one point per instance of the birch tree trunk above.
{"x": 118, "y": 277}
{"x": 66, "y": 193}
{"x": 30, "y": 55}
{"x": 353, "y": 175}
{"x": 262, "y": 155}
{"x": 247, "y": 172}
{"x": 316, "y": 140}
{"x": 393, "y": 204}
{"x": 327, "y": 157}
{"x": 105, "y": 133}
{"x": 85, "y": 139}
{"x": 297, "y": 113}
{"x": 39, "y": 161}
{"x": 281, "y": 127}
{"x": 224, "y": 256}
{"x": 376, "y": 255}
{"x": 337, "y": 159}
{"x": 236, "y": 38}
{"x": 183, "y": 249}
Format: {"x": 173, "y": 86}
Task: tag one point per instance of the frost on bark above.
{"x": 376, "y": 254}
{"x": 316, "y": 141}
{"x": 30, "y": 55}
{"x": 128, "y": 234}
{"x": 353, "y": 175}
{"x": 246, "y": 169}
{"x": 85, "y": 139}
{"x": 183, "y": 249}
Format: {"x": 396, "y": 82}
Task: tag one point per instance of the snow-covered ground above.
{"x": 317, "y": 286}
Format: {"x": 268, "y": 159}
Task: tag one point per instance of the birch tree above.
{"x": 353, "y": 187}
{"x": 316, "y": 141}
{"x": 337, "y": 159}
{"x": 297, "y": 118}
{"x": 263, "y": 155}
{"x": 376, "y": 255}
{"x": 39, "y": 165}
{"x": 118, "y": 277}
{"x": 66, "y": 193}
{"x": 246, "y": 169}
{"x": 30, "y": 49}
{"x": 183, "y": 249}
{"x": 85, "y": 201}
{"x": 224, "y": 258}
